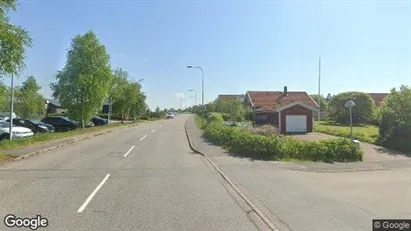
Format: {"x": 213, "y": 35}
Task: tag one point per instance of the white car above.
{"x": 18, "y": 132}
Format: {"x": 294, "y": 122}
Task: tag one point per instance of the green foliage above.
{"x": 271, "y": 147}
{"x": 361, "y": 112}
{"x": 265, "y": 130}
{"x": 85, "y": 80}
{"x": 364, "y": 133}
{"x": 14, "y": 41}
{"x": 4, "y": 95}
{"x": 320, "y": 100}
{"x": 395, "y": 125}
{"x": 29, "y": 102}
{"x": 215, "y": 117}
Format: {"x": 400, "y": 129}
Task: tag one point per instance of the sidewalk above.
{"x": 52, "y": 144}
{"x": 220, "y": 156}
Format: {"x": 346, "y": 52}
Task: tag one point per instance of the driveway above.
{"x": 371, "y": 152}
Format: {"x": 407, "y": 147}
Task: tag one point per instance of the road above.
{"x": 147, "y": 178}
{"x": 143, "y": 178}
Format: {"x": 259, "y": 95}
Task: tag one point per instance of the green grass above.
{"x": 38, "y": 138}
{"x": 364, "y": 133}
{"x": 197, "y": 120}
{"x": 5, "y": 157}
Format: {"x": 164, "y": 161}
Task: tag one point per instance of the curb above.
{"x": 70, "y": 142}
{"x": 227, "y": 179}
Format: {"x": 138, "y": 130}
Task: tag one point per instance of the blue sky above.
{"x": 242, "y": 45}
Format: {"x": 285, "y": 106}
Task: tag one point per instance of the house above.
{"x": 230, "y": 98}
{"x": 378, "y": 98}
{"x": 291, "y": 111}
{"x": 54, "y": 107}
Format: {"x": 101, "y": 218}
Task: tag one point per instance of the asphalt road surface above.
{"x": 143, "y": 178}
{"x": 147, "y": 178}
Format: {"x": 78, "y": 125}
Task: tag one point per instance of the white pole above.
{"x": 11, "y": 107}
{"x": 319, "y": 89}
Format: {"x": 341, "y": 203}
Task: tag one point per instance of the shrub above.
{"x": 273, "y": 147}
{"x": 361, "y": 112}
{"x": 395, "y": 125}
{"x": 215, "y": 117}
{"x": 265, "y": 130}
{"x": 144, "y": 117}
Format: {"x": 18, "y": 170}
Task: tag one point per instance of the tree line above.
{"x": 83, "y": 84}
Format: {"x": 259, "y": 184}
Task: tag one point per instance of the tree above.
{"x": 29, "y": 101}
{"x": 4, "y": 95}
{"x": 14, "y": 41}
{"x": 320, "y": 100}
{"x": 361, "y": 113}
{"x": 86, "y": 79}
{"x": 395, "y": 125}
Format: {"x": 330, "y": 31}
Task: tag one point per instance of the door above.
{"x": 296, "y": 123}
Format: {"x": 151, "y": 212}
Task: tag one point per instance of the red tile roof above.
{"x": 378, "y": 97}
{"x": 271, "y": 100}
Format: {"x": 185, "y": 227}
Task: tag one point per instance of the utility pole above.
{"x": 319, "y": 89}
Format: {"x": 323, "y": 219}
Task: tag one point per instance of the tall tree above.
{"x": 361, "y": 113}
{"x": 29, "y": 101}
{"x": 86, "y": 79}
{"x": 3, "y": 97}
{"x": 14, "y": 41}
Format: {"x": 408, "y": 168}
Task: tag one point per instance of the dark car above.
{"x": 34, "y": 125}
{"x": 99, "y": 121}
{"x": 60, "y": 123}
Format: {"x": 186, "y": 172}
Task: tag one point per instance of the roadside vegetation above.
{"x": 265, "y": 142}
{"x": 82, "y": 86}
{"x": 364, "y": 133}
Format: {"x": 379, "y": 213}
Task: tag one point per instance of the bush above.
{"x": 266, "y": 130}
{"x": 395, "y": 125}
{"x": 215, "y": 117}
{"x": 144, "y": 117}
{"x": 273, "y": 147}
{"x": 361, "y": 112}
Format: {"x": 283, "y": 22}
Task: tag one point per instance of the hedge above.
{"x": 245, "y": 143}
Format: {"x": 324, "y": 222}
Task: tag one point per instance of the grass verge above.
{"x": 366, "y": 133}
{"x": 6, "y": 157}
{"x": 44, "y": 137}
{"x": 198, "y": 121}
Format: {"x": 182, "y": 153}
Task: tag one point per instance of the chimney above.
{"x": 285, "y": 91}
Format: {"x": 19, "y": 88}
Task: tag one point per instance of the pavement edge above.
{"x": 228, "y": 180}
{"x": 71, "y": 142}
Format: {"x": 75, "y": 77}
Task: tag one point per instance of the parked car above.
{"x": 99, "y": 121}
{"x": 34, "y": 125}
{"x": 60, "y": 123}
{"x": 170, "y": 116}
{"x": 18, "y": 132}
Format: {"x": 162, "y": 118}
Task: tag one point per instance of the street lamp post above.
{"x": 195, "y": 96}
{"x": 350, "y": 104}
{"x": 202, "y": 91}
{"x": 11, "y": 108}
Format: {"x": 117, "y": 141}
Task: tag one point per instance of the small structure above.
{"x": 290, "y": 111}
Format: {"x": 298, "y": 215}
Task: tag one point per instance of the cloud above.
{"x": 180, "y": 95}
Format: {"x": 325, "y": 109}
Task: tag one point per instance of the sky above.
{"x": 241, "y": 45}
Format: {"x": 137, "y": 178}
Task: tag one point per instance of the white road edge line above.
{"x": 93, "y": 194}
{"x": 128, "y": 152}
{"x": 153, "y": 130}
{"x": 161, "y": 126}
{"x": 142, "y": 138}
